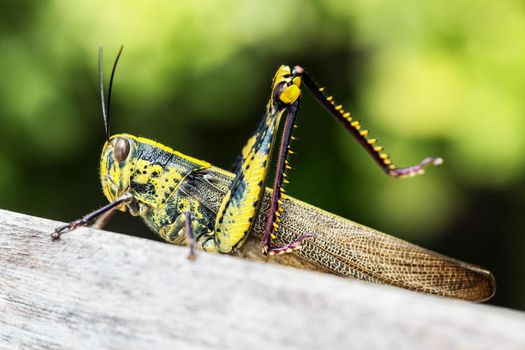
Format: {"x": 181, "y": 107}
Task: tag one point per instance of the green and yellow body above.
{"x": 189, "y": 201}
{"x": 164, "y": 183}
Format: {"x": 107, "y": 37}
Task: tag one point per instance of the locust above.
{"x": 187, "y": 201}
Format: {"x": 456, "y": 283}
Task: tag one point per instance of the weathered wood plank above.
{"x": 95, "y": 289}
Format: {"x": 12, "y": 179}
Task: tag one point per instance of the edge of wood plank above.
{"x": 95, "y": 289}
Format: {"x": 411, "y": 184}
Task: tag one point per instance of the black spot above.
{"x": 237, "y": 194}
{"x": 248, "y": 167}
{"x": 166, "y": 180}
{"x": 250, "y": 219}
{"x": 255, "y": 204}
{"x": 181, "y": 206}
{"x": 171, "y": 189}
{"x": 259, "y": 183}
{"x": 142, "y": 188}
{"x": 154, "y": 174}
{"x": 264, "y": 164}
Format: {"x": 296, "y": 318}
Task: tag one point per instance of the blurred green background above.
{"x": 428, "y": 78}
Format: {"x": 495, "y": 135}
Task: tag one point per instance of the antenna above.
{"x": 106, "y": 106}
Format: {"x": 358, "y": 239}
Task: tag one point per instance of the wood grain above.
{"x": 99, "y": 290}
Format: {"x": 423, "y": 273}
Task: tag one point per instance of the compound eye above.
{"x": 121, "y": 150}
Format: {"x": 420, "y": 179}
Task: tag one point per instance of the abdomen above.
{"x": 349, "y": 249}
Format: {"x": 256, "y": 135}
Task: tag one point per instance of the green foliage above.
{"x": 428, "y": 78}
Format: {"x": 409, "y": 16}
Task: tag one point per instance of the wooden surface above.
{"x": 99, "y": 290}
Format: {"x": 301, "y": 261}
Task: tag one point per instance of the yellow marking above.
{"x": 275, "y": 225}
{"x": 383, "y": 156}
{"x": 232, "y": 222}
{"x": 249, "y": 145}
{"x": 387, "y": 161}
{"x": 346, "y": 115}
{"x": 279, "y": 77}
{"x": 329, "y": 98}
{"x": 141, "y": 179}
{"x": 392, "y": 166}
{"x": 274, "y": 236}
{"x": 378, "y": 148}
{"x": 364, "y": 133}
{"x": 290, "y": 94}
{"x": 339, "y": 107}
{"x": 372, "y": 141}
{"x": 321, "y": 89}
{"x": 234, "y": 232}
{"x": 286, "y": 181}
{"x": 106, "y": 179}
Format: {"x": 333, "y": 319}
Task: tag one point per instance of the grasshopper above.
{"x": 187, "y": 201}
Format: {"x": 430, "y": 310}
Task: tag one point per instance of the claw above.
{"x": 416, "y": 169}
{"x": 59, "y": 231}
{"x": 288, "y": 248}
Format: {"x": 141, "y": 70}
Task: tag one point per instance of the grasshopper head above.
{"x": 116, "y": 165}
